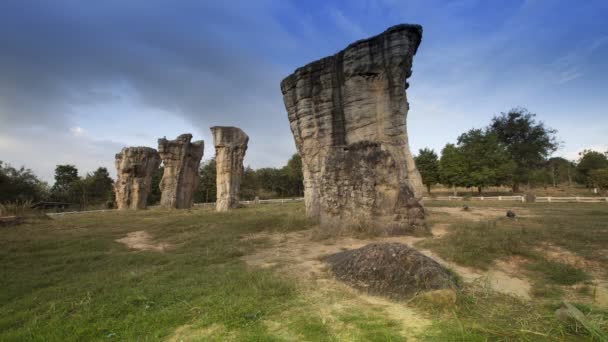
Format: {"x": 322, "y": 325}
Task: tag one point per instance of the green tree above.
{"x": 452, "y": 166}
{"x": 590, "y": 160}
{"x": 65, "y": 188}
{"x": 249, "y": 184}
{"x": 527, "y": 141}
{"x": 486, "y": 160}
{"x": 207, "y": 186}
{"x": 99, "y": 186}
{"x": 294, "y": 177}
{"x": 560, "y": 170}
{"x": 20, "y": 185}
{"x": 427, "y": 163}
{"x": 155, "y": 193}
{"x": 599, "y": 178}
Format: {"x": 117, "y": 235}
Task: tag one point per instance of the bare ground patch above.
{"x": 142, "y": 240}
{"x": 478, "y": 213}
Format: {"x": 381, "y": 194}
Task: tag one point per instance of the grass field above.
{"x": 254, "y": 275}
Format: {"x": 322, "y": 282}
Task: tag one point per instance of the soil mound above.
{"x": 390, "y": 269}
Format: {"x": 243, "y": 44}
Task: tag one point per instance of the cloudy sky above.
{"x": 81, "y": 79}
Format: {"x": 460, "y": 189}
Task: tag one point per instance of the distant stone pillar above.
{"x": 230, "y": 147}
{"x": 134, "y": 169}
{"x": 181, "y": 160}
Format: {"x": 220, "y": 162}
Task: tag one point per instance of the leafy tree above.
{"x": 65, "y": 189}
{"x": 527, "y": 141}
{"x": 155, "y": 193}
{"x": 599, "y": 178}
{"x": 560, "y": 170}
{"x": 293, "y": 173}
{"x": 20, "y": 185}
{"x": 207, "y": 186}
{"x": 428, "y": 165}
{"x": 249, "y": 184}
{"x": 99, "y": 186}
{"x": 590, "y": 160}
{"x": 486, "y": 160}
{"x": 452, "y": 166}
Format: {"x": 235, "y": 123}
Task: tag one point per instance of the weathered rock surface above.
{"x": 134, "y": 169}
{"x": 348, "y": 116}
{"x": 230, "y": 147}
{"x": 390, "y": 269}
{"x": 181, "y": 159}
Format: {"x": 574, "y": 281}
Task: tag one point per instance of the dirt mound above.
{"x": 389, "y": 269}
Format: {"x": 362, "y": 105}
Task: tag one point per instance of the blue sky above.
{"x": 81, "y": 79}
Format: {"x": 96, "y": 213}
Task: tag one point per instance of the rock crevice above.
{"x": 347, "y": 113}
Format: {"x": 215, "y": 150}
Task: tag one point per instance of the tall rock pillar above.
{"x": 181, "y": 160}
{"x": 347, "y": 113}
{"x": 134, "y": 169}
{"x": 230, "y": 147}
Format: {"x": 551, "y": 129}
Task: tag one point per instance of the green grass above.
{"x": 578, "y": 227}
{"x": 67, "y": 279}
{"x": 559, "y": 273}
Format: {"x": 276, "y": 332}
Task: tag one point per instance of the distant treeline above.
{"x": 96, "y": 189}
{"x": 513, "y": 150}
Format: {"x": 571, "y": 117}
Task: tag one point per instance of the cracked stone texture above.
{"x": 230, "y": 147}
{"x": 181, "y": 159}
{"x": 347, "y": 113}
{"x": 134, "y": 169}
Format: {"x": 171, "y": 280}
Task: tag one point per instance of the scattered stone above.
{"x": 390, "y": 269}
{"x": 230, "y": 147}
{"x": 134, "y": 168}
{"x": 465, "y": 208}
{"x": 347, "y": 114}
{"x": 181, "y": 160}
{"x": 510, "y": 214}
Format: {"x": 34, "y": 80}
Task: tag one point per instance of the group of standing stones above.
{"x": 181, "y": 160}
{"x": 347, "y": 113}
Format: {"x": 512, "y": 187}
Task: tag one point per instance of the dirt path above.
{"x": 143, "y": 241}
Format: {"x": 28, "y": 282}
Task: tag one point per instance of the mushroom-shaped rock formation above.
{"x": 230, "y": 147}
{"x": 181, "y": 159}
{"x": 348, "y": 113}
{"x": 134, "y": 169}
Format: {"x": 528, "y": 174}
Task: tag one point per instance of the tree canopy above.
{"x": 527, "y": 141}
{"x": 427, "y": 163}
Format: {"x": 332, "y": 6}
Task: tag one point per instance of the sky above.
{"x": 80, "y": 80}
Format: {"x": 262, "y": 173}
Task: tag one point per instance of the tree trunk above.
{"x": 479, "y": 190}
{"x": 454, "y": 189}
{"x": 515, "y": 187}
{"x": 428, "y": 188}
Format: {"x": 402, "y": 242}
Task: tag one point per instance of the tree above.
{"x": 428, "y": 165}
{"x": 155, "y": 193}
{"x": 527, "y": 141}
{"x": 20, "y": 185}
{"x": 64, "y": 188}
{"x": 560, "y": 170}
{"x": 486, "y": 160}
{"x": 599, "y": 178}
{"x": 99, "y": 186}
{"x": 207, "y": 186}
{"x": 452, "y": 166}
{"x": 293, "y": 173}
{"x": 590, "y": 160}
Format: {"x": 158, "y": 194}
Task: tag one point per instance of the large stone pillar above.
{"x": 230, "y": 147}
{"x": 181, "y": 160}
{"x": 348, "y": 113}
{"x": 134, "y": 169}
